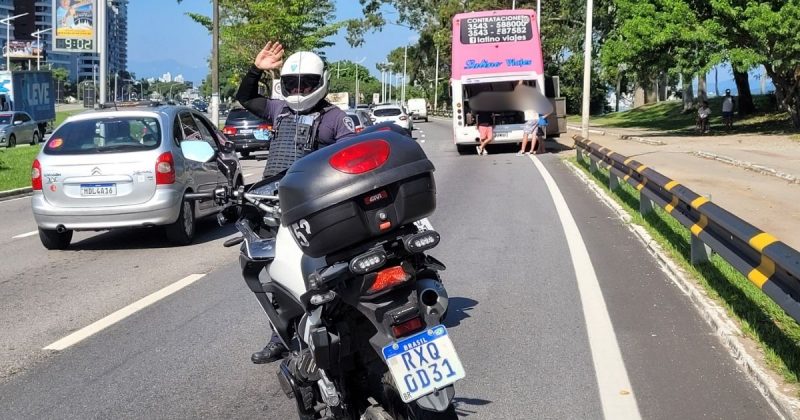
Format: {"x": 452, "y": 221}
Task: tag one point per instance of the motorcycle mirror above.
{"x": 197, "y": 150}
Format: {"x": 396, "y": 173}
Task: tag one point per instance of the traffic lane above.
{"x": 45, "y": 295}
{"x": 17, "y": 220}
{"x": 514, "y": 307}
{"x": 187, "y": 356}
{"x": 677, "y": 365}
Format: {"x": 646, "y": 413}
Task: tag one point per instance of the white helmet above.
{"x": 304, "y": 80}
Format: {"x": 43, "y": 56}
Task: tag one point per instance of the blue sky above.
{"x": 162, "y": 38}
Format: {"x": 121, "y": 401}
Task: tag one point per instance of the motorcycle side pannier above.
{"x": 355, "y": 190}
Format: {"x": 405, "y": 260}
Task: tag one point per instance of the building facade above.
{"x": 81, "y": 66}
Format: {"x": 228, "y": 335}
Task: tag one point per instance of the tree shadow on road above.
{"x": 457, "y": 310}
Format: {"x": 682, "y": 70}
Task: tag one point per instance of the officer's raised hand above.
{"x": 270, "y": 57}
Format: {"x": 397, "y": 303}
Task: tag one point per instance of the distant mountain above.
{"x": 145, "y": 69}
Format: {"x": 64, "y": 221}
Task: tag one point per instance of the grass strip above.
{"x": 759, "y": 317}
{"x": 15, "y": 167}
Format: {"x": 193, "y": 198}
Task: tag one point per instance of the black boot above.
{"x": 272, "y": 351}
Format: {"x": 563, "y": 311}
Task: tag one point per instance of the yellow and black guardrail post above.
{"x": 768, "y": 263}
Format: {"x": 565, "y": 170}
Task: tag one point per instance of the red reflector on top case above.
{"x": 361, "y": 157}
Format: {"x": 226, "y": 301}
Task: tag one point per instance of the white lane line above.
{"x": 25, "y": 235}
{"x": 123, "y": 313}
{"x": 15, "y": 199}
{"x": 616, "y": 393}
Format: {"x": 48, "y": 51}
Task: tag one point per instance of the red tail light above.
{"x": 230, "y": 131}
{"x": 407, "y": 328}
{"x": 359, "y": 129}
{"x": 361, "y": 157}
{"x": 389, "y": 277}
{"x": 264, "y": 127}
{"x": 165, "y": 169}
{"x": 36, "y": 175}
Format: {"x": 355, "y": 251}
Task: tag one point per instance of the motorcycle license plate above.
{"x": 423, "y": 363}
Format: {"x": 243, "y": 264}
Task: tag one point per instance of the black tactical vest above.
{"x": 295, "y": 137}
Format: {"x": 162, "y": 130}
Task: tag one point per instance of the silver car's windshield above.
{"x": 105, "y": 135}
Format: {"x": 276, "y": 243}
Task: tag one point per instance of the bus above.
{"x": 492, "y": 51}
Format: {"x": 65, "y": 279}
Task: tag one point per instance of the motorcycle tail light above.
{"x": 388, "y": 278}
{"x": 407, "y": 328}
{"x": 361, "y": 157}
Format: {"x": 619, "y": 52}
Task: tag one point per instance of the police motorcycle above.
{"x": 334, "y": 249}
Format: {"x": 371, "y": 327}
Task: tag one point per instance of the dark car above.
{"x": 248, "y": 132}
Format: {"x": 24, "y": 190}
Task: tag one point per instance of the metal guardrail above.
{"x": 768, "y": 263}
{"x": 438, "y": 113}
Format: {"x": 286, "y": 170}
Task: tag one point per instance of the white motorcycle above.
{"x": 334, "y": 251}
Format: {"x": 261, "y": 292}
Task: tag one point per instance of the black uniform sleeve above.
{"x": 248, "y": 96}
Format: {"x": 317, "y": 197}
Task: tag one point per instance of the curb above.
{"x": 714, "y": 315}
{"x": 15, "y": 192}
{"x": 621, "y": 136}
{"x": 764, "y": 170}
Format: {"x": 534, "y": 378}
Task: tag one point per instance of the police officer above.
{"x": 304, "y": 121}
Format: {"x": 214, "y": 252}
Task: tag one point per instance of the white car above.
{"x": 418, "y": 107}
{"x": 392, "y": 113}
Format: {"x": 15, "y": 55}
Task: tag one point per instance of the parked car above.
{"x": 124, "y": 167}
{"x": 393, "y": 113}
{"x": 248, "y": 132}
{"x": 361, "y": 119}
{"x": 16, "y": 126}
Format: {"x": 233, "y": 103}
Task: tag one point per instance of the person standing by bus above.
{"x": 485, "y": 121}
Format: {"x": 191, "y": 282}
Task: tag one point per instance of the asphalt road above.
{"x": 518, "y": 313}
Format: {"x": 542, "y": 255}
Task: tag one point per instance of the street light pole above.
{"x": 405, "y": 59}
{"x": 587, "y": 70}
{"x": 102, "y": 48}
{"x": 39, "y": 44}
{"x": 7, "y": 21}
{"x": 215, "y": 67}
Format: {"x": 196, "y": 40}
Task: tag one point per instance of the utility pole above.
{"x": 587, "y": 70}
{"x": 39, "y": 45}
{"x": 405, "y": 59}
{"x": 116, "y": 74}
{"x": 391, "y": 74}
{"x": 102, "y": 48}
{"x": 436, "y": 81}
{"x": 215, "y": 67}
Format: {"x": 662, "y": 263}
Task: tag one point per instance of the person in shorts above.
{"x": 485, "y": 131}
{"x": 528, "y": 131}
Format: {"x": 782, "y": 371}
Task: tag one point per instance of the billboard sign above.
{"x": 23, "y": 49}
{"x": 74, "y": 23}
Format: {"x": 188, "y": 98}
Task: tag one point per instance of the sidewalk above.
{"x": 765, "y": 193}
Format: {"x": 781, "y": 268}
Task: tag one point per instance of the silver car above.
{"x": 124, "y": 168}
{"x": 16, "y": 127}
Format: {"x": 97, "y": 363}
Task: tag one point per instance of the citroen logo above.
{"x": 96, "y": 171}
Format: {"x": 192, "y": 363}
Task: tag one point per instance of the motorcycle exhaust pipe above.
{"x": 433, "y": 300}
